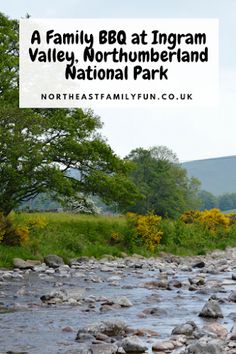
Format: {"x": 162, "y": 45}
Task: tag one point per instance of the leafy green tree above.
{"x": 9, "y": 60}
{"x": 164, "y": 184}
{"x": 39, "y": 148}
{"x": 226, "y": 201}
{"x": 233, "y": 197}
{"x": 208, "y": 200}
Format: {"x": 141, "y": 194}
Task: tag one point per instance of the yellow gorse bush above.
{"x": 212, "y": 219}
{"x": 20, "y": 235}
{"x": 38, "y": 222}
{"x": 3, "y": 226}
{"x": 147, "y": 228}
{"x": 232, "y": 219}
{"x": 13, "y": 233}
{"x": 190, "y": 216}
{"x": 116, "y": 237}
{"x": 10, "y": 234}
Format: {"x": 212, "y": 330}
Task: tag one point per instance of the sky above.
{"x": 192, "y": 133}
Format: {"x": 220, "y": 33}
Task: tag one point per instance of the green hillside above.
{"x": 217, "y": 175}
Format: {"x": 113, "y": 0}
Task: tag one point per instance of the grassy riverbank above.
{"x": 68, "y": 236}
{"x": 71, "y": 236}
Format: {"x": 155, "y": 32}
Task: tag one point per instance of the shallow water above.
{"x": 33, "y": 327}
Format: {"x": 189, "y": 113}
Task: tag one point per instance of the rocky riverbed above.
{"x": 133, "y": 305}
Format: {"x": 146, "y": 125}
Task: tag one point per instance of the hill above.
{"x": 217, "y": 175}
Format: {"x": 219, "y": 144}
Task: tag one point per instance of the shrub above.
{"x": 190, "y": 216}
{"x": 145, "y": 229}
{"x": 116, "y": 237}
{"x": 5, "y": 226}
{"x": 13, "y": 233}
{"x": 213, "y": 220}
{"x": 232, "y": 219}
{"x": 10, "y": 234}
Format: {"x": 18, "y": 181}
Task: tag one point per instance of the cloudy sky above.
{"x": 191, "y": 133}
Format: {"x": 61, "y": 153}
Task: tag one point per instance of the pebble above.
{"x": 105, "y": 300}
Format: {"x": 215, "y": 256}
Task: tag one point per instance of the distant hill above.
{"x": 217, "y": 175}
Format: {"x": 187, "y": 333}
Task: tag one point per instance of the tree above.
{"x": 9, "y": 60}
{"x": 226, "y": 201}
{"x": 39, "y": 148}
{"x": 208, "y": 200}
{"x": 164, "y": 184}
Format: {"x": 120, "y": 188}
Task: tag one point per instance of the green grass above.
{"x": 68, "y": 236}
{"x": 71, "y": 236}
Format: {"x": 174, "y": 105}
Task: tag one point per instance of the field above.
{"x": 66, "y": 235}
{"x": 71, "y": 236}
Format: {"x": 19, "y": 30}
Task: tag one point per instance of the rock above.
{"x": 137, "y": 256}
{"x": 106, "y": 269}
{"x": 71, "y": 301}
{"x": 84, "y": 337}
{"x": 193, "y": 288}
{"x": 80, "y": 350}
{"x": 175, "y": 283}
{"x": 114, "y": 327}
{"x": 199, "y": 265}
{"x": 197, "y": 281}
{"x": 50, "y": 271}
{"x": 54, "y": 297}
{"x": 141, "y": 332}
{"x": 68, "y": 329}
{"x": 114, "y": 278}
{"x": 217, "y": 329}
{"x": 5, "y": 309}
{"x": 76, "y": 293}
{"x": 106, "y": 308}
{"x": 108, "y": 257}
{"x": 111, "y": 328}
{"x": 232, "y": 316}
{"x": 186, "y": 268}
{"x": 103, "y": 348}
{"x": 232, "y": 296}
{"x": 123, "y": 301}
{"x": 63, "y": 268}
{"x": 233, "y": 332}
{"x": 21, "y": 264}
{"x": 234, "y": 276}
{"x": 13, "y": 352}
{"x": 204, "y": 348}
{"x": 90, "y": 299}
{"x": 211, "y": 269}
{"x": 123, "y": 254}
{"x": 211, "y": 309}
{"x": 34, "y": 262}
{"x": 95, "y": 279}
{"x": 133, "y": 345}
{"x": 163, "y": 346}
{"x": 103, "y": 337}
{"x": 78, "y": 261}
{"x": 187, "y": 328}
{"x": 40, "y": 268}
{"x": 22, "y": 292}
{"x": 155, "y": 311}
{"x": 163, "y": 283}
{"x": 53, "y": 261}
